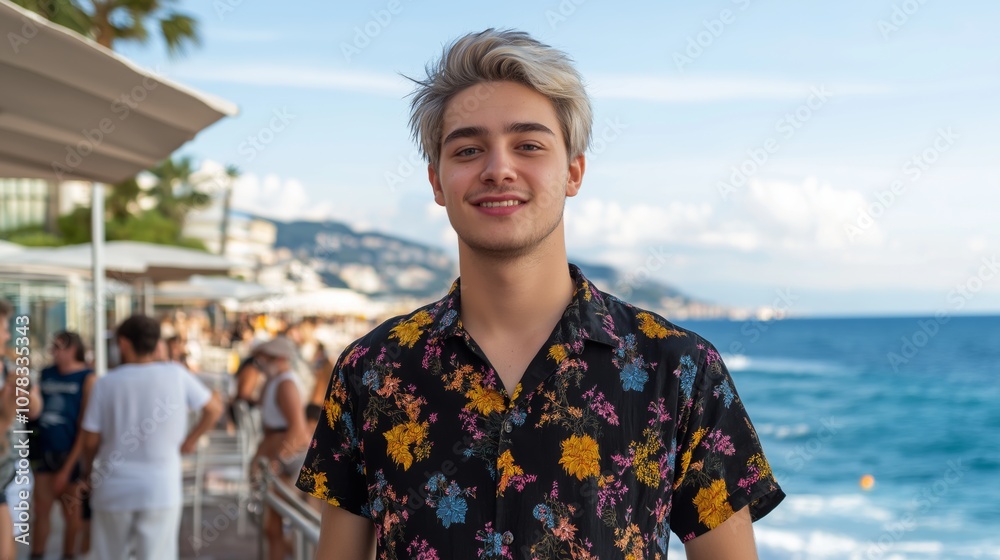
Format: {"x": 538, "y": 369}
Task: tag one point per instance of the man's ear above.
{"x": 435, "y": 181}
{"x": 574, "y": 178}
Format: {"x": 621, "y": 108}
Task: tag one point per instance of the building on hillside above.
{"x": 248, "y": 240}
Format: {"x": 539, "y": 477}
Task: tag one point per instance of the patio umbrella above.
{"x": 72, "y": 109}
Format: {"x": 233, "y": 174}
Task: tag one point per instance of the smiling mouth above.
{"x": 500, "y": 203}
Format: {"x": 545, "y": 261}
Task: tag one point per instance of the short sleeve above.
{"x": 92, "y": 414}
{"x": 720, "y": 466}
{"x": 196, "y": 394}
{"x": 334, "y": 468}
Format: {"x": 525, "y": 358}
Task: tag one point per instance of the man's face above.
{"x": 504, "y": 173}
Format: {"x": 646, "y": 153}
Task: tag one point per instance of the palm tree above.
{"x": 175, "y": 191}
{"x": 232, "y": 172}
{"x": 110, "y": 21}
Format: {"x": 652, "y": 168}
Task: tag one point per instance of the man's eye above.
{"x": 531, "y": 147}
{"x": 466, "y": 152}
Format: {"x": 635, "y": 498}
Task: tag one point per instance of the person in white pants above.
{"x": 135, "y": 430}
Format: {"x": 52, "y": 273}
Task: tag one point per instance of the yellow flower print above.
{"x": 484, "y": 400}
{"x": 712, "y": 504}
{"x": 629, "y": 541}
{"x": 507, "y": 468}
{"x": 319, "y": 483}
{"x": 686, "y": 457}
{"x": 580, "y": 456}
{"x": 647, "y": 468}
{"x": 557, "y": 352}
{"x": 763, "y": 467}
{"x": 332, "y": 408}
{"x": 517, "y": 391}
{"x": 651, "y": 328}
{"x": 400, "y": 438}
{"x": 408, "y": 332}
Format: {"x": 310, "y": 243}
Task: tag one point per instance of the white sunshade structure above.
{"x": 125, "y": 260}
{"x": 72, "y": 109}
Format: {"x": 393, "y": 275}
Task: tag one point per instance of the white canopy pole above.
{"x": 97, "y": 248}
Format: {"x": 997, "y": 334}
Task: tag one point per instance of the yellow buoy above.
{"x": 867, "y": 482}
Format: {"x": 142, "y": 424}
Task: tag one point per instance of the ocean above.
{"x": 913, "y": 402}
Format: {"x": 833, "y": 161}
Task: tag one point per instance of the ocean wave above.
{"x": 852, "y": 526}
{"x": 786, "y": 544}
{"x": 742, "y": 362}
{"x": 781, "y": 431}
{"x": 851, "y": 506}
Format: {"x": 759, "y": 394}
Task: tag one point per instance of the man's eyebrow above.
{"x": 528, "y": 127}
{"x": 510, "y": 128}
{"x": 466, "y": 132}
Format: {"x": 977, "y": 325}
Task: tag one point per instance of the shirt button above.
{"x": 508, "y": 426}
{"x": 507, "y": 537}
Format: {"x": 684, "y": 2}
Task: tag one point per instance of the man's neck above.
{"x": 147, "y": 359}
{"x": 511, "y": 298}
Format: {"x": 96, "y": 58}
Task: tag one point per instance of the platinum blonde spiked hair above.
{"x": 500, "y": 56}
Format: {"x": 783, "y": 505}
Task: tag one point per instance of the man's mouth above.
{"x": 500, "y": 203}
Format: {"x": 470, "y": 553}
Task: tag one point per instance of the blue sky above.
{"x": 822, "y": 105}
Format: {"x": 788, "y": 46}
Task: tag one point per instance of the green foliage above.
{"x": 173, "y": 196}
{"x": 32, "y": 236}
{"x": 109, "y": 21}
{"x": 175, "y": 193}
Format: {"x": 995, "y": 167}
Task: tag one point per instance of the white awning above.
{"x": 328, "y": 301}
{"x": 125, "y": 260}
{"x": 72, "y": 109}
{"x": 211, "y": 288}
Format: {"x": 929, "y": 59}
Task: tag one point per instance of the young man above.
{"x": 527, "y": 413}
{"x": 134, "y": 434}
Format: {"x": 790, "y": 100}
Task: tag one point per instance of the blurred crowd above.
{"x": 108, "y": 449}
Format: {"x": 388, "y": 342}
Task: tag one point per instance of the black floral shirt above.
{"x": 623, "y": 428}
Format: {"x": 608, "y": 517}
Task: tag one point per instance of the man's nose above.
{"x": 499, "y": 167}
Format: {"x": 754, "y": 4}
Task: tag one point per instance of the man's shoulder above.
{"x": 126, "y": 374}
{"x": 652, "y": 328}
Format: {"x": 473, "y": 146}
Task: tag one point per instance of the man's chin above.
{"x": 499, "y": 248}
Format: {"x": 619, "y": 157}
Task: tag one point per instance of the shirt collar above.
{"x": 586, "y": 317}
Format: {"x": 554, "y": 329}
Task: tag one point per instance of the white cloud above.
{"x": 644, "y": 87}
{"x": 309, "y": 77}
{"x": 435, "y": 212}
{"x": 273, "y": 197}
{"x": 810, "y": 215}
{"x": 682, "y": 89}
{"x": 598, "y": 222}
{"x": 240, "y": 35}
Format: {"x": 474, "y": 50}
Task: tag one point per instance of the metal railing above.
{"x": 287, "y": 503}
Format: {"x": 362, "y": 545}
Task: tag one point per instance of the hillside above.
{"x": 385, "y": 265}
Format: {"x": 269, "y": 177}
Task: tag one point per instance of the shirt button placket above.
{"x": 501, "y": 520}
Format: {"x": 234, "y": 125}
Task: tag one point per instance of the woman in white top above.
{"x": 286, "y": 437}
